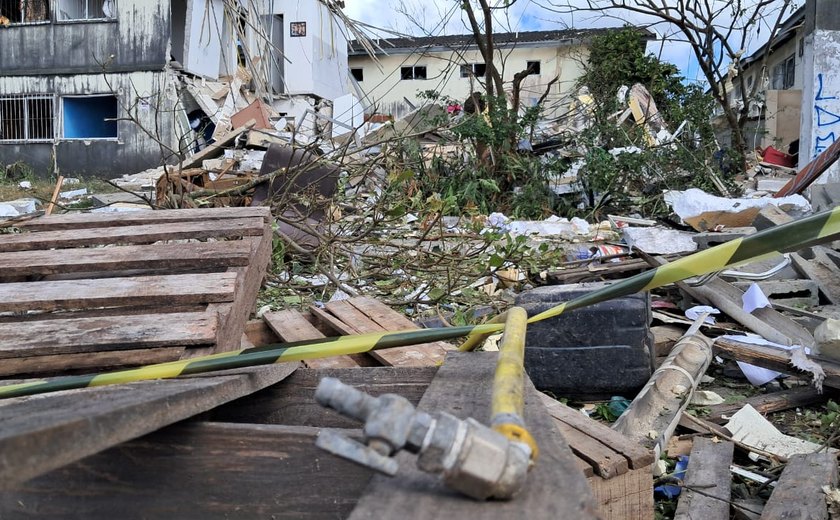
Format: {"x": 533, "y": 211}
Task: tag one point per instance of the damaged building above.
{"x": 107, "y": 87}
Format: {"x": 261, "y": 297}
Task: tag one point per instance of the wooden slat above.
{"x": 798, "y": 492}
{"x": 772, "y": 402}
{"x": 233, "y": 316}
{"x": 49, "y": 337}
{"x": 111, "y": 292}
{"x": 555, "y": 488}
{"x": 637, "y": 456}
{"x": 44, "y": 432}
{"x": 144, "y": 234}
{"x": 290, "y": 325}
{"x": 605, "y": 462}
{"x": 708, "y": 483}
{"x": 259, "y": 334}
{"x": 199, "y": 470}
{"x": 158, "y": 256}
{"x": 353, "y": 315}
{"x": 136, "y": 218}
{"x": 290, "y": 402}
{"x": 59, "y": 363}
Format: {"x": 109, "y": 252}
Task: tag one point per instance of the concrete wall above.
{"x": 821, "y": 92}
{"x": 386, "y": 90}
{"x": 315, "y": 63}
{"x": 139, "y": 95}
{"x": 136, "y": 39}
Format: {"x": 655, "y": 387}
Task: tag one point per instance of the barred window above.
{"x": 24, "y": 11}
{"x": 27, "y": 118}
{"x": 85, "y": 9}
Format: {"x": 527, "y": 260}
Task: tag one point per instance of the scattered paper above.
{"x": 695, "y": 312}
{"x": 754, "y": 298}
{"x": 749, "y": 427}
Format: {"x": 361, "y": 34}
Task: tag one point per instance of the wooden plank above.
{"x": 259, "y": 334}
{"x": 708, "y": 484}
{"x": 248, "y": 281}
{"x": 775, "y": 359}
{"x": 625, "y": 497}
{"x": 555, "y": 488}
{"x": 44, "y": 432}
{"x": 605, "y": 462}
{"x": 798, "y": 493}
{"x": 355, "y": 319}
{"x": 49, "y": 337}
{"x": 822, "y": 274}
{"x": 291, "y": 326}
{"x": 290, "y": 402}
{"x": 208, "y": 255}
{"x": 112, "y": 292}
{"x": 216, "y": 148}
{"x": 637, "y": 456}
{"x": 144, "y": 234}
{"x": 59, "y": 363}
{"x": 331, "y": 321}
{"x": 136, "y": 218}
{"x": 425, "y": 354}
{"x": 199, "y": 470}
{"x": 769, "y": 403}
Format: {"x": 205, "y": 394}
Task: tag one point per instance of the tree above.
{"x": 718, "y": 32}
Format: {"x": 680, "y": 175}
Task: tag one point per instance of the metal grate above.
{"x": 27, "y": 119}
{"x": 85, "y": 9}
{"x": 16, "y": 12}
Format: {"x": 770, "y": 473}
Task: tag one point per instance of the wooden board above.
{"x": 462, "y": 387}
{"x": 145, "y": 234}
{"x": 56, "y": 364}
{"x": 769, "y": 403}
{"x": 158, "y": 256}
{"x": 44, "y": 432}
{"x": 137, "y": 218}
{"x": 798, "y": 493}
{"x": 291, "y": 401}
{"x": 708, "y": 483}
{"x": 41, "y": 338}
{"x": 362, "y": 315}
{"x": 290, "y": 326}
{"x": 199, "y": 470}
{"x": 139, "y": 290}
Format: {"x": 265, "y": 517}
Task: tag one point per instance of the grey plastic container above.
{"x": 594, "y": 352}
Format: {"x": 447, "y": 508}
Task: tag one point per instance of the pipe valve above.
{"x": 472, "y": 458}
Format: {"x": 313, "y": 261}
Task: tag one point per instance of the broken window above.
{"x": 26, "y": 118}
{"x": 474, "y": 69}
{"x": 25, "y": 11}
{"x": 358, "y": 74}
{"x": 784, "y": 74}
{"x": 415, "y": 72}
{"x": 85, "y": 9}
{"x": 533, "y": 68}
{"x": 90, "y": 117}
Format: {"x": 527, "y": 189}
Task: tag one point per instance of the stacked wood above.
{"x": 85, "y": 291}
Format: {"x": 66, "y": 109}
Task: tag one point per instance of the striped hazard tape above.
{"x": 821, "y": 227}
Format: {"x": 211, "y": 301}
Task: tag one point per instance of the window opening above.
{"x": 358, "y": 74}
{"x": 415, "y": 72}
{"x": 92, "y": 117}
{"x": 24, "y": 11}
{"x": 26, "y": 119}
{"x": 85, "y": 9}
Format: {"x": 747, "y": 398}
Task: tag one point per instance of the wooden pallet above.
{"x": 256, "y": 458}
{"x": 85, "y": 291}
{"x": 358, "y": 315}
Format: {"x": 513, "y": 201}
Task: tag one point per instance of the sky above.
{"x": 425, "y": 17}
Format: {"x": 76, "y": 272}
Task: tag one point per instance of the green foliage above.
{"x": 619, "y": 181}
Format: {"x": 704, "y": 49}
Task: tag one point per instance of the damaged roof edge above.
{"x": 521, "y": 39}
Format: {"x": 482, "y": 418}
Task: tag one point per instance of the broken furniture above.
{"x": 90, "y": 291}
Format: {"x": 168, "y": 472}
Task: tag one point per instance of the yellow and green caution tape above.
{"x": 812, "y": 230}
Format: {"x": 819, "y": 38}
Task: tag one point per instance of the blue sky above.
{"x": 531, "y": 15}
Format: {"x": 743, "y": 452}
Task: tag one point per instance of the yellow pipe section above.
{"x": 476, "y": 338}
{"x": 508, "y": 402}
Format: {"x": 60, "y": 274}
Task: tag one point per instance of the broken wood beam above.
{"x": 798, "y": 493}
{"x": 707, "y": 487}
{"x": 775, "y": 359}
{"x": 769, "y": 403}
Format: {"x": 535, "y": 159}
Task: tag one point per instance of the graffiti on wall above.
{"x": 827, "y": 121}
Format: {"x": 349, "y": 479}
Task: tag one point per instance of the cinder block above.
{"x": 770, "y": 216}
{"x": 709, "y": 239}
{"x": 787, "y": 292}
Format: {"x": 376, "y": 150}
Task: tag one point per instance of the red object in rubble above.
{"x": 773, "y": 156}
